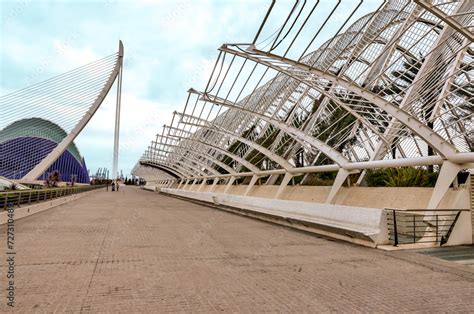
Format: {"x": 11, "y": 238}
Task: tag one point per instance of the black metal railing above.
{"x": 20, "y": 197}
{"x": 421, "y": 225}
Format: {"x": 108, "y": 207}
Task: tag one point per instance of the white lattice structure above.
{"x": 386, "y": 89}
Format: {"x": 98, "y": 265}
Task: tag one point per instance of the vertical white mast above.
{"x": 117, "y": 114}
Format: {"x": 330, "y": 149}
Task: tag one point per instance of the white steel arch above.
{"x": 393, "y": 88}
{"x": 61, "y": 147}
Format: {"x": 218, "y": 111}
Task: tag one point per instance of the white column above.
{"x": 117, "y": 124}
{"x": 251, "y": 184}
{"x": 341, "y": 176}
{"x": 216, "y": 180}
{"x": 283, "y": 184}
{"x": 448, "y": 172}
{"x": 192, "y": 185}
{"x": 202, "y": 185}
{"x": 229, "y": 184}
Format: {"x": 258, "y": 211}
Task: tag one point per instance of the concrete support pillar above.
{"x": 229, "y": 184}
{"x": 448, "y": 172}
{"x": 180, "y": 183}
{"x": 251, "y": 184}
{"x": 201, "y": 186}
{"x": 186, "y": 184}
{"x": 192, "y": 185}
{"x": 272, "y": 179}
{"x": 341, "y": 176}
{"x": 216, "y": 180}
{"x": 283, "y": 184}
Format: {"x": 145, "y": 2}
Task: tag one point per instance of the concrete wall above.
{"x": 361, "y": 225}
{"x": 27, "y": 210}
{"x": 375, "y": 197}
{"x": 314, "y": 197}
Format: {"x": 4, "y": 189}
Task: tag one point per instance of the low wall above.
{"x": 376, "y": 197}
{"x": 27, "y": 210}
{"x": 355, "y": 199}
{"x": 361, "y": 225}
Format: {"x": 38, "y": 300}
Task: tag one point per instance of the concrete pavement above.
{"x": 138, "y": 251}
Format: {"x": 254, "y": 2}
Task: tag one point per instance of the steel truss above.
{"x": 389, "y": 88}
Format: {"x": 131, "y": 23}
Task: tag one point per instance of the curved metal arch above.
{"x": 298, "y": 134}
{"x": 318, "y": 88}
{"x": 151, "y": 156}
{"x": 240, "y": 160}
{"x": 269, "y": 154}
{"x": 408, "y": 120}
{"x": 41, "y": 167}
{"x": 190, "y": 169}
{"x": 199, "y": 154}
{"x": 153, "y": 164}
{"x": 220, "y": 102}
{"x": 356, "y": 47}
{"x": 153, "y": 173}
{"x": 448, "y": 19}
{"x": 211, "y": 170}
{"x": 187, "y": 172}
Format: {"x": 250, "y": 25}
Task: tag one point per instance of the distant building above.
{"x": 24, "y": 143}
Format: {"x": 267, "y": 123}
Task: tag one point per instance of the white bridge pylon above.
{"x": 68, "y": 100}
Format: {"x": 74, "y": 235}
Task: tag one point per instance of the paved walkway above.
{"x": 137, "y": 251}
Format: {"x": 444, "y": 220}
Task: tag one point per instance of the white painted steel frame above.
{"x": 41, "y": 167}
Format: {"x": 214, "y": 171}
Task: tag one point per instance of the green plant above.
{"x": 401, "y": 177}
{"x": 320, "y": 179}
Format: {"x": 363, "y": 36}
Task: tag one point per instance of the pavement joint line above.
{"x": 431, "y": 262}
{"x": 134, "y": 251}
{"x": 95, "y": 267}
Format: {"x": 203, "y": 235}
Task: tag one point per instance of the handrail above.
{"x": 19, "y": 197}
{"x": 426, "y": 210}
{"x": 421, "y": 225}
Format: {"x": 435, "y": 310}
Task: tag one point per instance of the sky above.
{"x": 170, "y": 46}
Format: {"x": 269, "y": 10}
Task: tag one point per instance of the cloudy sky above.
{"x": 169, "y": 47}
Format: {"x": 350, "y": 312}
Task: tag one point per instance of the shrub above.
{"x": 401, "y": 177}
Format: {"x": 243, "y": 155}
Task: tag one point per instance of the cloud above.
{"x": 169, "y": 47}
{"x": 140, "y": 121}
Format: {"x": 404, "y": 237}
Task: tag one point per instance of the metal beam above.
{"x": 464, "y": 30}
{"x": 327, "y": 150}
{"x": 214, "y": 128}
{"x": 435, "y": 140}
{"x": 240, "y": 160}
{"x": 189, "y": 169}
{"x": 208, "y": 168}
{"x": 175, "y": 171}
{"x": 198, "y": 154}
{"x": 41, "y": 167}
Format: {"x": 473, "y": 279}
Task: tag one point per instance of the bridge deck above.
{"x": 136, "y": 250}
